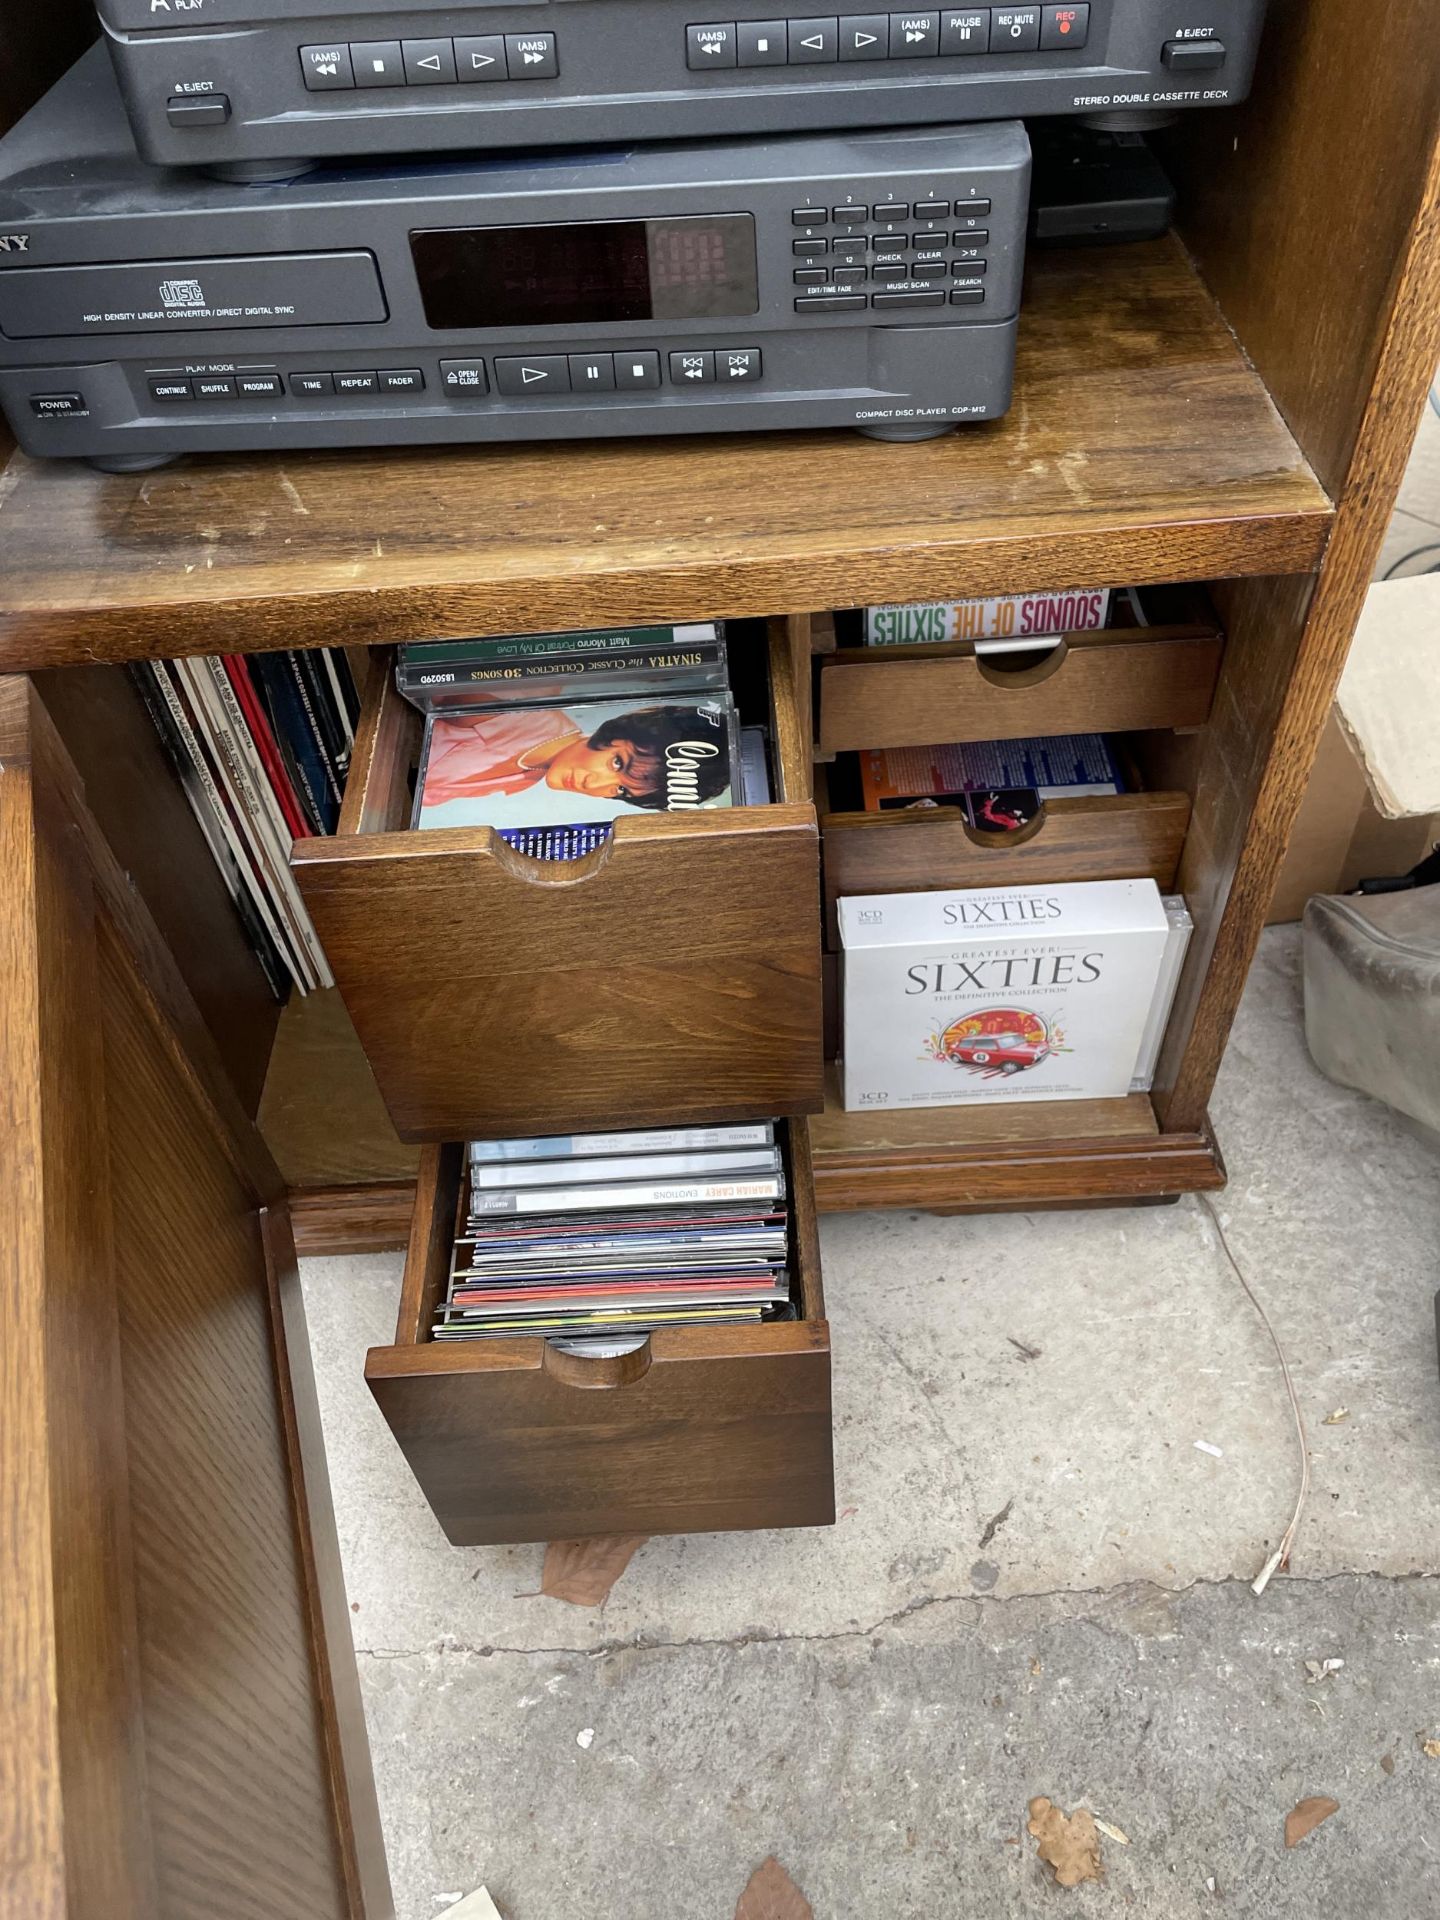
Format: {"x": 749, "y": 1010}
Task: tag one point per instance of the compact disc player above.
{"x": 210, "y": 82}
{"x": 869, "y": 280}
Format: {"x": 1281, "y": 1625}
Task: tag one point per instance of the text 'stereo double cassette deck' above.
{"x": 868, "y": 280}
{"x": 234, "y": 81}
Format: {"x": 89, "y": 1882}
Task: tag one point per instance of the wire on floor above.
{"x": 1280, "y": 1558}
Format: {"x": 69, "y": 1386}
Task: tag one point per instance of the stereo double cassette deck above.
{"x": 868, "y": 280}
{"x": 241, "y": 82}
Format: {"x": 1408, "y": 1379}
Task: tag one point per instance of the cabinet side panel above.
{"x": 1299, "y": 205}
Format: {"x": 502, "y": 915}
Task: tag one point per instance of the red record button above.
{"x": 1063, "y": 28}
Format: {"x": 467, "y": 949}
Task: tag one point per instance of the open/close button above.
{"x": 461, "y": 378}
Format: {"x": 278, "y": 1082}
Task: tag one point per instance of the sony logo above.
{"x": 14, "y": 243}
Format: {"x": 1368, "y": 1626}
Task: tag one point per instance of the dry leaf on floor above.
{"x": 1430, "y": 1748}
{"x": 1112, "y": 1833}
{"x": 1334, "y": 1419}
{"x": 1307, "y": 1816}
{"x": 1317, "y": 1670}
{"x": 772, "y": 1895}
{"x": 1387, "y": 1764}
{"x": 584, "y": 1571}
{"x": 1071, "y": 1845}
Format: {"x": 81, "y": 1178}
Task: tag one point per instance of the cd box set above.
{"x": 1007, "y": 994}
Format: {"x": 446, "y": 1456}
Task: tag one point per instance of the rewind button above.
{"x": 813, "y": 42}
{"x": 865, "y": 36}
{"x": 693, "y": 369}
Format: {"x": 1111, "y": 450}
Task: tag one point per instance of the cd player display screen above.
{"x": 691, "y": 268}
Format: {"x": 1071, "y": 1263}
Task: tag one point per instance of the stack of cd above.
{"x": 599, "y": 1237}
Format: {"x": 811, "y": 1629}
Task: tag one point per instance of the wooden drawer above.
{"x": 1122, "y": 836}
{"x": 674, "y": 972}
{"x": 1123, "y": 679}
{"x": 701, "y": 1430}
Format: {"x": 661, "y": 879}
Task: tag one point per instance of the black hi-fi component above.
{"x": 869, "y": 280}
{"x": 244, "y": 82}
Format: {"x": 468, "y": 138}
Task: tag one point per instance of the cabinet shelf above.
{"x": 1142, "y": 446}
{"x": 979, "y": 1158}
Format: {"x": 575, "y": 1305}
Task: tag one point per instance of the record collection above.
{"x": 598, "y": 1240}
{"x": 261, "y": 744}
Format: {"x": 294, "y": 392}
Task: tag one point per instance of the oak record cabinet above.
{"x": 1230, "y": 407}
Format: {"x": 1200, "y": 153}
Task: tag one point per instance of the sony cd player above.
{"x": 868, "y": 280}
{"x": 216, "y": 82}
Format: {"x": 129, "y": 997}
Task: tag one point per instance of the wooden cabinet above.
{"x": 178, "y": 1697}
{"x": 1119, "y": 680}
{"x": 700, "y": 1430}
{"x": 1232, "y": 405}
{"x": 671, "y": 976}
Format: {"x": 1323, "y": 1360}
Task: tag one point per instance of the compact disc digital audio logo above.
{"x": 179, "y": 295}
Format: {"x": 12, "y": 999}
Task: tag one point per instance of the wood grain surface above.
{"x": 1091, "y": 683}
{"x": 1352, "y": 345}
{"x": 1266, "y": 190}
{"x": 983, "y": 1159}
{"x": 706, "y": 1429}
{"x": 1140, "y": 447}
{"x": 321, "y": 1111}
{"x": 674, "y": 971}
{"x": 1124, "y": 836}
{"x": 373, "y": 1218}
{"x": 174, "y": 1740}
{"x": 141, "y": 810}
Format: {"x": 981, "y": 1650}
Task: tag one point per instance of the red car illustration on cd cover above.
{"x": 1001, "y": 1040}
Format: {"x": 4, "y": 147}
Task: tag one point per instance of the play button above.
{"x": 529, "y": 375}
{"x": 865, "y": 36}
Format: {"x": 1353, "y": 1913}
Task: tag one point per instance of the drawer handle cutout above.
{"x": 550, "y": 873}
{"x": 579, "y": 1370}
{"x": 998, "y": 838}
{"x": 1030, "y": 672}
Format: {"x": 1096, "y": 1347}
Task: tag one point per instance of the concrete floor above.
{"x": 876, "y": 1703}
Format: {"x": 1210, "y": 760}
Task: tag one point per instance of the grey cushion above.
{"x": 1372, "y": 996}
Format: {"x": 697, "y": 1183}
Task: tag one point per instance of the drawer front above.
{"x": 1089, "y": 683}
{"x": 702, "y": 1430}
{"x": 676, "y": 968}
{"x": 1123, "y": 836}
{"x": 676, "y": 971}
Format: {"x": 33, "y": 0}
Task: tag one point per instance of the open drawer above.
{"x": 675, "y": 971}
{"x": 700, "y": 1430}
{"x": 1121, "y": 836}
{"x": 1121, "y": 679}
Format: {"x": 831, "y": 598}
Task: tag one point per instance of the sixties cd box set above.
{"x": 239, "y": 224}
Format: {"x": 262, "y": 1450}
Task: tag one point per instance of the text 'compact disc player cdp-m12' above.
{"x": 211, "y": 82}
{"x": 868, "y": 280}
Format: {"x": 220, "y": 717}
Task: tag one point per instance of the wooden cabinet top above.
{"x": 1141, "y": 446}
